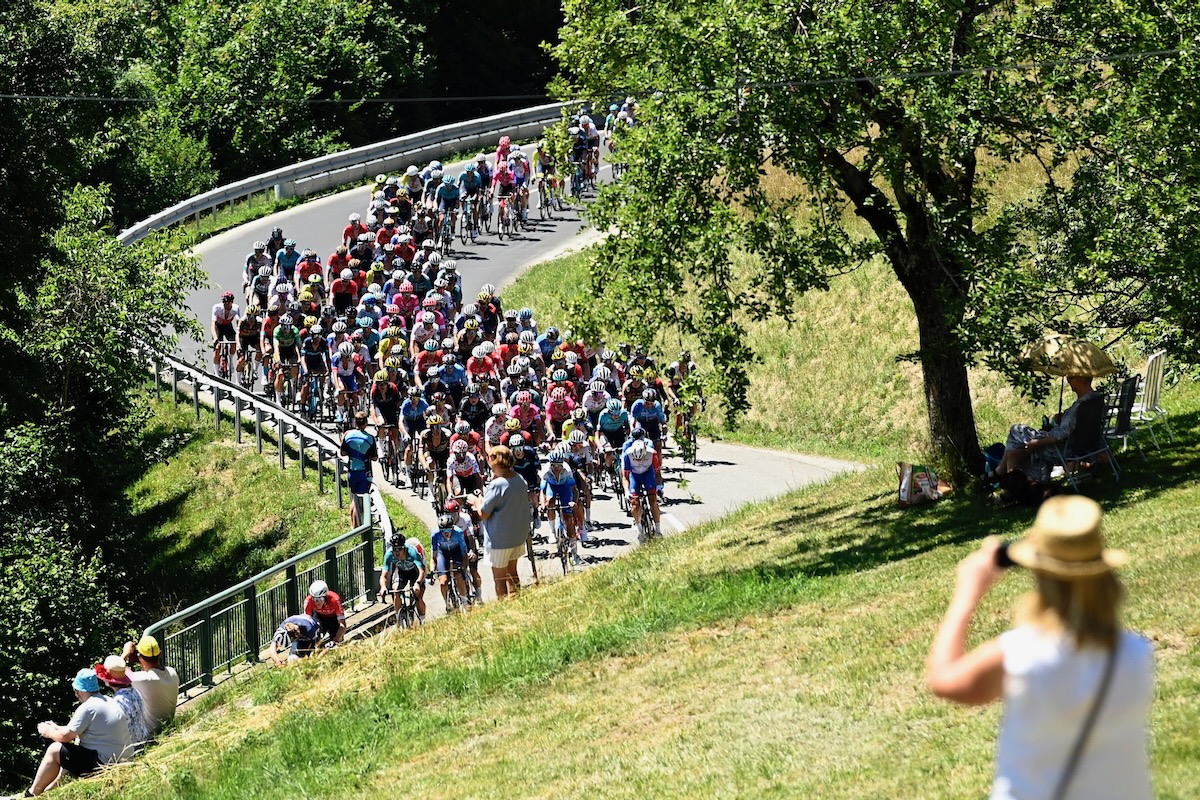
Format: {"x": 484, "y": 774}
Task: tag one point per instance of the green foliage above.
{"x": 759, "y": 144}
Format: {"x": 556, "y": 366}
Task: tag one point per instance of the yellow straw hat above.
{"x": 1066, "y": 541}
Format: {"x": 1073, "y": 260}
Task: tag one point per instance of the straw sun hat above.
{"x": 1066, "y": 541}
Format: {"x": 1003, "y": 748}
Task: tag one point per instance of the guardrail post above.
{"x": 196, "y": 398}
{"x": 279, "y": 195}
{"x": 253, "y": 645}
{"x": 280, "y": 429}
{"x": 337, "y": 462}
{"x": 217, "y": 406}
{"x": 369, "y": 581}
{"x": 237, "y": 417}
{"x": 320, "y": 469}
{"x": 175, "y": 385}
{"x": 331, "y": 570}
{"x": 206, "y": 649}
{"x": 303, "y": 444}
{"x": 258, "y": 428}
{"x": 292, "y": 592}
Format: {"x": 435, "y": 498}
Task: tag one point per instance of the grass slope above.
{"x": 211, "y": 512}
{"x": 775, "y": 653}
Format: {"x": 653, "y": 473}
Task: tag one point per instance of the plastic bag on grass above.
{"x": 919, "y": 484}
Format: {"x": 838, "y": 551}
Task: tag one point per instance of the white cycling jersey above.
{"x": 493, "y": 429}
{"x": 223, "y": 317}
{"x": 595, "y": 401}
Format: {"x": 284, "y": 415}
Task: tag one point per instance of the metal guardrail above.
{"x": 232, "y": 627}
{"x": 359, "y": 163}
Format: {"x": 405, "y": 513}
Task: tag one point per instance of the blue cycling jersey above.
{"x": 287, "y": 261}
{"x": 647, "y": 413}
{"x": 609, "y": 422}
{"x": 453, "y": 375}
{"x": 470, "y": 181}
{"x": 447, "y": 192}
{"x": 359, "y": 443}
{"x": 447, "y": 540}
{"x": 414, "y": 411}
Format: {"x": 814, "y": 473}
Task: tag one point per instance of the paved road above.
{"x": 727, "y": 476}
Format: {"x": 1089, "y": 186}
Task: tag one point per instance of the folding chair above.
{"x": 1087, "y": 443}
{"x": 1146, "y": 409}
{"x": 1120, "y": 419}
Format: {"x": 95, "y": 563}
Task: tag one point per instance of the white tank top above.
{"x": 1049, "y": 688}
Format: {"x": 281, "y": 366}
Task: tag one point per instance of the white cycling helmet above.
{"x": 411, "y": 171}
{"x": 318, "y": 589}
{"x": 638, "y": 449}
{"x": 346, "y": 348}
{"x": 355, "y": 217}
{"x": 346, "y": 274}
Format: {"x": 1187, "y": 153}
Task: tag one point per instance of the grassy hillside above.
{"x": 829, "y": 385}
{"x": 774, "y": 653}
{"x": 212, "y": 512}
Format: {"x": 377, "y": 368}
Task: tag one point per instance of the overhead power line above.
{"x": 1110, "y": 58}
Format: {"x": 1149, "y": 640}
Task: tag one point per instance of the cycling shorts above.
{"x": 565, "y": 495}
{"x": 403, "y": 577}
{"x": 390, "y": 415}
{"x": 470, "y": 483}
{"x": 289, "y": 355}
{"x": 349, "y": 382}
{"x": 413, "y": 425}
{"x": 449, "y": 205}
{"x": 247, "y": 343}
{"x": 505, "y": 189}
{"x": 530, "y": 474}
{"x": 225, "y": 332}
{"x": 329, "y": 624}
{"x": 359, "y": 480}
{"x": 439, "y": 459}
{"x": 616, "y": 439}
{"x": 456, "y": 557}
{"x": 640, "y": 482}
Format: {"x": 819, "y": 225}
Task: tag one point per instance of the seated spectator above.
{"x": 97, "y": 734}
{"x": 1032, "y": 451}
{"x": 158, "y": 685}
{"x": 298, "y": 636}
{"x": 112, "y": 674}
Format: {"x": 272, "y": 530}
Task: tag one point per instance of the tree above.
{"x": 824, "y": 93}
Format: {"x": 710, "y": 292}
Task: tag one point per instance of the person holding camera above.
{"x": 1076, "y": 686}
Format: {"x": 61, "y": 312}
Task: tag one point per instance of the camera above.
{"x": 1002, "y": 559}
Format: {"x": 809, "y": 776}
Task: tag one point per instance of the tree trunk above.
{"x": 947, "y": 388}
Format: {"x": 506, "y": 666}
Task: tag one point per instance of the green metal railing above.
{"x": 234, "y": 626}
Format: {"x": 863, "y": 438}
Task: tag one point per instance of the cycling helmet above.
{"x": 435, "y": 259}
{"x": 524, "y": 398}
{"x": 559, "y": 395}
{"x": 451, "y": 265}
{"x": 446, "y": 520}
{"x": 356, "y": 337}
{"x": 471, "y": 167}
{"x": 364, "y": 322}
{"x": 346, "y": 274}
{"x": 649, "y": 395}
{"x": 447, "y": 343}
{"x": 573, "y": 130}
{"x": 346, "y": 349}
{"x": 516, "y": 440}
{"x": 430, "y": 345}
{"x": 557, "y": 457}
{"x": 579, "y": 414}
{"x": 355, "y": 217}
{"x": 481, "y": 159}
{"x": 435, "y": 164}
{"x": 428, "y": 244}
{"x": 429, "y": 302}
{"x": 525, "y": 314}
{"x": 613, "y": 406}
{"x": 552, "y": 333}
{"x": 294, "y": 308}
{"x": 286, "y": 320}
{"x": 558, "y": 376}
{"x": 505, "y": 141}
{"x": 381, "y": 376}
{"x": 517, "y": 151}
{"x": 557, "y": 355}
{"x": 449, "y": 359}
{"x": 436, "y": 175}
{"x": 602, "y": 373}
{"x": 428, "y": 317}
{"x": 571, "y": 357}
{"x": 315, "y": 330}
{"x": 578, "y": 437}
{"x": 434, "y": 419}
{"x": 596, "y": 386}
{"x": 614, "y": 107}
{"x": 318, "y": 590}
{"x": 488, "y": 348}
{"x": 253, "y": 310}
{"x": 264, "y": 272}
{"x": 405, "y": 287}
{"x": 394, "y": 362}
{"x": 260, "y": 245}
{"x": 414, "y": 392}
{"x": 310, "y": 321}
{"x": 638, "y": 432}
{"x": 289, "y": 242}
{"x": 472, "y": 324}
{"x": 499, "y": 409}
{"x": 508, "y": 314}
{"x": 451, "y": 506}
{"x": 523, "y": 362}
{"x": 623, "y": 115}
{"x": 447, "y": 180}
{"x": 525, "y": 347}
{"x": 477, "y": 352}
{"x": 412, "y": 171}
{"x": 513, "y": 369}
{"x": 638, "y": 449}
{"x": 607, "y": 355}
{"x": 462, "y": 427}
{"x": 635, "y": 371}
{"x": 339, "y": 327}
{"x": 439, "y": 397}
{"x": 489, "y": 288}
{"x": 314, "y": 279}
{"x": 226, "y": 297}
{"x": 470, "y": 310}
{"x": 512, "y": 424}
{"x": 397, "y": 541}
{"x": 483, "y": 297}
{"x": 459, "y": 448}
{"x": 527, "y": 336}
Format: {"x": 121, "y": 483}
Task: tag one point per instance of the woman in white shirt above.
{"x": 1076, "y": 687}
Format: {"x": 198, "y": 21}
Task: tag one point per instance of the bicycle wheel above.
{"x": 464, "y": 224}
{"x": 485, "y": 214}
{"x": 543, "y": 204}
{"x": 564, "y": 544}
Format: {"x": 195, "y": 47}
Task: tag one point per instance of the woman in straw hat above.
{"x": 1076, "y": 686}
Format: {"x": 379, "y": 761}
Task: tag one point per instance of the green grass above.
{"x": 777, "y": 652}
{"x": 210, "y": 512}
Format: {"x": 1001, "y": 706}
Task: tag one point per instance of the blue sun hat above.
{"x": 85, "y": 681}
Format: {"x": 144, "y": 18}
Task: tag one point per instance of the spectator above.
{"x": 298, "y": 636}
{"x": 1076, "y": 686}
{"x": 1032, "y": 451}
{"x": 504, "y": 509}
{"x": 325, "y": 606}
{"x": 158, "y": 685}
{"x": 97, "y": 734}
{"x": 359, "y": 447}
{"x": 113, "y": 673}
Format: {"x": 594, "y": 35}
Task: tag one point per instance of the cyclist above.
{"x": 274, "y": 243}
{"x": 502, "y": 151}
{"x": 518, "y": 165}
{"x": 454, "y": 377}
{"x": 413, "y": 185}
{"x": 528, "y": 465}
{"x": 465, "y": 466}
{"x": 325, "y": 606}
{"x": 474, "y": 410}
{"x": 385, "y": 407}
{"x": 403, "y": 565}
{"x": 351, "y": 232}
{"x": 448, "y": 198}
{"x": 286, "y": 260}
{"x": 558, "y": 485}
{"x": 593, "y": 140}
{"x": 360, "y": 449}
{"x": 548, "y": 342}
{"x": 471, "y": 186}
{"x": 594, "y": 401}
{"x": 225, "y": 316}
{"x": 298, "y": 636}
{"x": 435, "y": 447}
{"x": 612, "y": 427}
{"x": 528, "y": 417}
{"x": 286, "y": 340}
{"x": 314, "y": 352}
{"x": 544, "y": 166}
{"x": 412, "y": 421}
{"x": 452, "y": 553}
{"x": 638, "y": 468}
{"x": 579, "y": 151}
{"x": 344, "y": 291}
{"x": 249, "y": 330}
{"x": 494, "y": 432}
{"x": 255, "y": 260}
{"x": 347, "y": 365}
{"x": 505, "y": 186}
{"x": 558, "y": 411}
{"x": 580, "y": 457}
{"x": 648, "y": 413}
